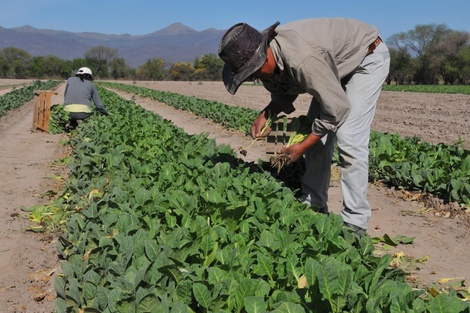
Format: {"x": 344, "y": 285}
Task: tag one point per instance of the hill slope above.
{"x": 175, "y": 43}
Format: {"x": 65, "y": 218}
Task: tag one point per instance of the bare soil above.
{"x": 28, "y": 164}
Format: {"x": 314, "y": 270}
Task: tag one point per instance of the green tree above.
{"x": 464, "y": 57}
{"x": 153, "y": 69}
{"x": 401, "y": 67}
{"x": 37, "y": 67}
{"x": 4, "y": 66}
{"x": 51, "y": 67}
{"x": 417, "y": 42}
{"x": 209, "y": 67}
{"x": 444, "y": 55}
{"x": 182, "y": 71}
{"x": 119, "y": 68}
{"x": 98, "y": 60}
{"x": 19, "y": 62}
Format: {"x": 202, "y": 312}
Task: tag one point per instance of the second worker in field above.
{"x": 80, "y": 95}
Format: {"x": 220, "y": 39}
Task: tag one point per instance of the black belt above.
{"x": 374, "y": 45}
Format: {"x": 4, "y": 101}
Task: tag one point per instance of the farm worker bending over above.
{"x": 342, "y": 63}
{"x": 79, "y": 92}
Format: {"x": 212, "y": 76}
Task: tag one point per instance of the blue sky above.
{"x": 140, "y": 17}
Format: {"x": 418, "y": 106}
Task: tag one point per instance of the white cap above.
{"x": 84, "y": 70}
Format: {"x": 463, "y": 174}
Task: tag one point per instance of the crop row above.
{"x": 408, "y": 163}
{"x": 236, "y": 118}
{"x": 452, "y": 89}
{"x": 18, "y": 97}
{"x": 160, "y": 221}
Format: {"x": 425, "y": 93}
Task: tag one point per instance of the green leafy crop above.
{"x": 407, "y": 163}
{"x": 18, "y": 97}
{"x": 161, "y": 221}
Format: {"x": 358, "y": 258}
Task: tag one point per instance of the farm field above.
{"x": 435, "y": 118}
{"x": 441, "y": 235}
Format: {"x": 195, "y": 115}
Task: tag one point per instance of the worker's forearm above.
{"x": 309, "y": 141}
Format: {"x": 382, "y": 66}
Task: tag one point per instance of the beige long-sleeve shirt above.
{"x": 312, "y": 56}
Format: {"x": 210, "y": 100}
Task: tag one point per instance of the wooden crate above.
{"x": 42, "y": 109}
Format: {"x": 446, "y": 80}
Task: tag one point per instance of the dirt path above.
{"x": 29, "y": 261}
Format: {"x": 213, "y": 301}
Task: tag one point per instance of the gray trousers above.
{"x": 77, "y": 116}
{"x": 363, "y": 90}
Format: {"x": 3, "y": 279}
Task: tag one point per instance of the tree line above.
{"x": 426, "y": 55}
{"x": 106, "y": 64}
{"x": 430, "y": 55}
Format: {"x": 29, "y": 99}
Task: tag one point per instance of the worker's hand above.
{"x": 258, "y": 126}
{"x": 295, "y": 151}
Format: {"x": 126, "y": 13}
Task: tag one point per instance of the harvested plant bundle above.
{"x": 301, "y": 127}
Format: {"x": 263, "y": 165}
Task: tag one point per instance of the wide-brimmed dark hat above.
{"x": 243, "y": 49}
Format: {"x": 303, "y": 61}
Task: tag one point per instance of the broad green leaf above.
{"x": 211, "y": 257}
{"x": 179, "y": 307}
{"x": 216, "y": 275}
{"x": 92, "y": 277}
{"x": 289, "y": 308}
{"x": 74, "y": 291}
{"x": 213, "y": 197}
{"x": 60, "y": 305}
{"x": 202, "y": 295}
{"x": 183, "y": 291}
{"x": 152, "y": 250}
{"x": 245, "y": 288}
{"x": 130, "y": 277}
{"x": 142, "y": 196}
{"x": 148, "y": 305}
{"x": 264, "y": 266}
{"x": 127, "y": 224}
{"x": 456, "y": 184}
{"x": 114, "y": 297}
{"x": 377, "y": 274}
{"x": 59, "y": 286}
{"x": 334, "y": 279}
{"x": 142, "y": 293}
{"x": 88, "y": 291}
{"x": 293, "y": 266}
{"x": 102, "y": 296}
{"x": 206, "y": 244}
{"x": 395, "y": 241}
{"x": 172, "y": 271}
{"x": 267, "y": 239}
{"x": 465, "y": 166}
{"x": 91, "y": 212}
{"x": 254, "y": 304}
{"x": 310, "y": 268}
{"x": 445, "y": 304}
{"x": 125, "y": 307}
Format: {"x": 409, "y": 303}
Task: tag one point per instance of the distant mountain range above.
{"x": 175, "y": 43}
